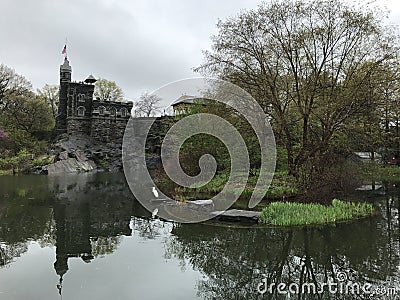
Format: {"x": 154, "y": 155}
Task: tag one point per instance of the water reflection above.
{"x": 236, "y": 261}
{"x": 24, "y": 215}
{"x": 89, "y": 216}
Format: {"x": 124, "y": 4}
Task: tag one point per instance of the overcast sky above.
{"x": 140, "y": 44}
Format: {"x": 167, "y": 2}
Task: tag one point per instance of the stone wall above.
{"x": 108, "y": 120}
{"x": 108, "y": 130}
{"x": 77, "y": 125}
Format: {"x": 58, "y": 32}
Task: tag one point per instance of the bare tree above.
{"x": 148, "y": 105}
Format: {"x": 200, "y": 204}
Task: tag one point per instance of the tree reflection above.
{"x": 24, "y": 215}
{"x": 9, "y": 251}
{"x": 235, "y": 261}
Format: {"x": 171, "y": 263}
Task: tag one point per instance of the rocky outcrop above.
{"x": 80, "y": 153}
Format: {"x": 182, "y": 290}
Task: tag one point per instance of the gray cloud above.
{"x": 140, "y": 44}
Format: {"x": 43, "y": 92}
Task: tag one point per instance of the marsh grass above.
{"x": 292, "y": 214}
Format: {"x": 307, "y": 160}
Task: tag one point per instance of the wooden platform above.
{"x": 237, "y": 215}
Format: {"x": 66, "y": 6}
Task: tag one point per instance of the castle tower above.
{"x": 65, "y": 80}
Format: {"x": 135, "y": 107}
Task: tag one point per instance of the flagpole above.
{"x": 66, "y": 42}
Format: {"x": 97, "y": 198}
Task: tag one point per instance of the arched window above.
{"x": 123, "y": 112}
{"x": 81, "y": 111}
{"x": 102, "y": 110}
{"x": 113, "y": 111}
{"x": 81, "y": 97}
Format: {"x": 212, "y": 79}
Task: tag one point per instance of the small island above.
{"x": 295, "y": 214}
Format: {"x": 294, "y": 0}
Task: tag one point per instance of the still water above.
{"x": 85, "y": 237}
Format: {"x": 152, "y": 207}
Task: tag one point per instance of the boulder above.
{"x": 79, "y": 153}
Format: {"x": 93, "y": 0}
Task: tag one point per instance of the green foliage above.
{"x": 198, "y": 145}
{"x": 102, "y": 246}
{"x": 12, "y": 85}
{"x": 42, "y": 161}
{"x": 293, "y": 214}
{"x": 275, "y": 191}
{"x": 216, "y": 184}
{"x": 181, "y": 198}
{"x": 28, "y": 113}
{"x": 26, "y": 119}
{"x": 281, "y": 159}
{"x": 283, "y": 186}
{"x": 21, "y": 161}
{"x": 378, "y": 172}
{"x": 20, "y": 139}
{"x": 49, "y": 94}
{"x": 105, "y": 161}
{"x": 107, "y": 90}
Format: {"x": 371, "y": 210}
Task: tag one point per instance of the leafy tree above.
{"x": 4, "y": 142}
{"x": 49, "y": 93}
{"x": 25, "y": 120}
{"x": 29, "y": 113}
{"x": 389, "y": 109}
{"x": 148, "y": 105}
{"x": 374, "y": 130}
{"x": 107, "y": 90}
{"x": 307, "y": 64}
{"x": 3, "y": 135}
{"x": 11, "y": 85}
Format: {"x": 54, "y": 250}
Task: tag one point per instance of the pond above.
{"x": 86, "y": 237}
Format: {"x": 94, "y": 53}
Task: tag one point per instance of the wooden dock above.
{"x": 237, "y": 215}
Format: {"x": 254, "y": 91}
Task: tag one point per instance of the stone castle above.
{"x": 80, "y": 114}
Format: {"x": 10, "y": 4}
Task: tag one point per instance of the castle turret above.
{"x": 65, "y": 79}
{"x": 65, "y": 71}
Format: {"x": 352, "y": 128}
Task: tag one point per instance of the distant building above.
{"x": 184, "y": 102}
{"x": 79, "y": 113}
{"x": 366, "y": 157}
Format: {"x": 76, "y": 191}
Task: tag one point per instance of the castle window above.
{"x": 81, "y": 97}
{"x": 113, "y": 111}
{"x": 81, "y": 111}
{"x": 102, "y": 110}
{"x": 123, "y": 112}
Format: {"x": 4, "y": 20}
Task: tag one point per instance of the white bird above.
{"x": 154, "y": 213}
{"x": 155, "y": 192}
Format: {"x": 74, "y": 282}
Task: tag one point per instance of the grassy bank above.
{"x": 23, "y": 162}
{"x": 282, "y": 187}
{"x": 292, "y": 214}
